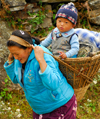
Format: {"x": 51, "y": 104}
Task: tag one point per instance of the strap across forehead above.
{"x": 19, "y": 41}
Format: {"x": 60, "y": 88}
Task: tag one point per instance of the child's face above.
{"x": 63, "y": 24}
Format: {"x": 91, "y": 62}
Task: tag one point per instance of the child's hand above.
{"x": 62, "y": 55}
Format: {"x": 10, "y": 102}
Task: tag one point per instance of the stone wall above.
{"x": 95, "y": 11}
{"x": 5, "y": 32}
{"x": 18, "y": 5}
{"x": 55, "y": 1}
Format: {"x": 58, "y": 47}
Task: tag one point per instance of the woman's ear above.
{"x": 29, "y": 48}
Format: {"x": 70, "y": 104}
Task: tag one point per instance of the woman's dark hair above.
{"x": 24, "y": 35}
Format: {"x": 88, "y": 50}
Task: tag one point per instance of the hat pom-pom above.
{"x": 71, "y": 4}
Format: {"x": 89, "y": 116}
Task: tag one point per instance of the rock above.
{"x": 29, "y": 6}
{"x": 17, "y": 8}
{"x": 35, "y": 10}
{"x": 47, "y": 22}
{"x": 14, "y": 3}
{"x": 48, "y": 8}
{"x": 94, "y": 14}
{"x": 3, "y": 74}
{"x": 95, "y": 20}
{"x": 0, "y": 3}
{"x": 54, "y": 1}
{"x": 94, "y": 4}
{"x": 5, "y": 32}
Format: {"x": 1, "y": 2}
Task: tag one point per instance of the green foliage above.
{"x": 55, "y": 11}
{"x": 40, "y": 32}
{"x": 40, "y": 3}
{"x": 89, "y": 106}
{"x": 5, "y": 92}
{"x": 37, "y": 19}
{"x": 84, "y": 23}
{"x": 8, "y": 12}
{"x": 16, "y": 108}
{"x": 50, "y": 28}
{"x": 10, "y": 21}
{"x": 92, "y": 105}
{"x": 43, "y": 32}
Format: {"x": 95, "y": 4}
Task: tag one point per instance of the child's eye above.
{"x": 66, "y": 22}
{"x": 59, "y": 20}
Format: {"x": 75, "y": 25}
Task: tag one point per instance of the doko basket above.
{"x": 79, "y": 72}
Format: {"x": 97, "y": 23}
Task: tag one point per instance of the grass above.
{"x": 18, "y": 108}
{"x": 89, "y": 106}
{"x": 15, "y": 108}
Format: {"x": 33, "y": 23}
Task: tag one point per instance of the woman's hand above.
{"x": 39, "y": 55}
{"x": 10, "y": 58}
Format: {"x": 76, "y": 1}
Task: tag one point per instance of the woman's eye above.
{"x": 16, "y": 54}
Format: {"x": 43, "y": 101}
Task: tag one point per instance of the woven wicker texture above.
{"x": 79, "y": 72}
{"x": 81, "y": 92}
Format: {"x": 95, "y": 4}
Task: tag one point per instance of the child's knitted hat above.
{"x": 69, "y": 12}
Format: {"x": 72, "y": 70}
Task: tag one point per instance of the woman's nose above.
{"x": 16, "y": 57}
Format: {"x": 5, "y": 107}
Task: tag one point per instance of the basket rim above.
{"x": 82, "y": 58}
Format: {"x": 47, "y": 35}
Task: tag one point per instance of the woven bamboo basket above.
{"x": 79, "y": 72}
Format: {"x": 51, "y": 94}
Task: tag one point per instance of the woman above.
{"x": 45, "y": 87}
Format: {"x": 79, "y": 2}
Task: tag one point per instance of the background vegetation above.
{"x": 13, "y": 104}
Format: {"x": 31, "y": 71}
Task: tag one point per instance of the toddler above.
{"x": 63, "y": 40}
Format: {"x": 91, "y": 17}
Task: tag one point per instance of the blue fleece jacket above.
{"x": 45, "y": 91}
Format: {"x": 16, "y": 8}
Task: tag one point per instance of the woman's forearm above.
{"x": 42, "y": 64}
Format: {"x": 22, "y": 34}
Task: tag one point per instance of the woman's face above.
{"x": 19, "y": 53}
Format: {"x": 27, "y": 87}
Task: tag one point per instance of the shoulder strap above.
{"x": 52, "y": 33}
{"x": 72, "y": 36}
{"x": 88, "y": 79}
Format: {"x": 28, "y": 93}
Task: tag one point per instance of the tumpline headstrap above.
{"x": 19, "y": 41}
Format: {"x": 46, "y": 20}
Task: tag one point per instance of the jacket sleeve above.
{"x": 10, "y": 71}
{"x": 74, "y": 42}
{"x": 51, "y": 77}
{"x": 47, "y": 41}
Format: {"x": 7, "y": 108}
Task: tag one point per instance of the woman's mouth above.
{"x": 20, "y": 60}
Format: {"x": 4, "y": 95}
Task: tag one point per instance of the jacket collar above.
{"x": 32, "y": 55}
{"x": 64, "y": 34}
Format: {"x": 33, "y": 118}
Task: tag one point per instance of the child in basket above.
{"x": 63, "y": 39}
